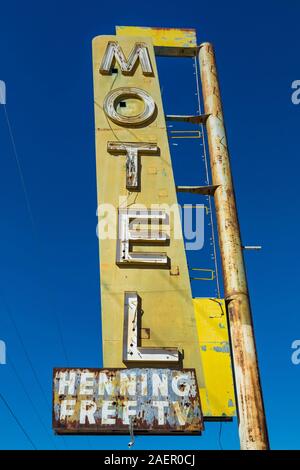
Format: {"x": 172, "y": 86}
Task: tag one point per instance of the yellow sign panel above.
{"x": 217, "y": 395}
{"x": 149, "y": 318}
{"x": 142, "y": 285}
{"x": 166, "y": 41}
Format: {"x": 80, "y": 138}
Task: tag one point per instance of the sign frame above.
{"x": 195, "y": 429}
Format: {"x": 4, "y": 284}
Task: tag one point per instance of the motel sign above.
{"x": 166, "y": 361}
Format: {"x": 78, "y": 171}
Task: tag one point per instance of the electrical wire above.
{"x": 207, "y": 181}
{"x": 35, "y": 375}
{"x": 15, "y": 370}
{"x": 220, "y": 435}
{"x": 29, "y": 209}
{"x": 17, "y": 331}
{"x": 30, "y": 213}
{"x": 20, "y": 171}
{"x": 32, "y": 221}
{"x": 18, "y": 421}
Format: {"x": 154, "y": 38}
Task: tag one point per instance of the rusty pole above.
{"x": 252, "y": 422}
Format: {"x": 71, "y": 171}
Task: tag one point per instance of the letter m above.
{"x": 115, "y": 53}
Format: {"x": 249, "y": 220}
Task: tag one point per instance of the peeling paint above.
{"x": 223, "y": 349}
{"x": 102, "y": 400}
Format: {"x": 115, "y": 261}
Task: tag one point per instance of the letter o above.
{"x": 114, "y": 97}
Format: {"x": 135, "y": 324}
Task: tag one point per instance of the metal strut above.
{"x": 132, "y": 440}
{"x": 208, "y": 190}
{"x": 198, "y": 119}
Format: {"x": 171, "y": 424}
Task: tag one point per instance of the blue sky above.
{"x": 49, "y": 269}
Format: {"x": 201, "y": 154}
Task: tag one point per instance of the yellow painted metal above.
{"x": 204, "y": 270}
{"x": 169, "y": 315}
{"x": 217, "y": 395}
{"x": 185, "y": 134}
{"x": 167, "y": 304}
{"x": 166, "y": 41}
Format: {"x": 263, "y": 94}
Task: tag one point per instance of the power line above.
{"x": 220, "y": 435}
{"x": 35, "y": 235}
{"x": 18, "y": 422}
{"x": 11, "y": 317}
{"x": 31, "y": 402}
{"x": 20, "y": 171}
{"x": 25, "y": 350}
{"x": 30, "y": 213}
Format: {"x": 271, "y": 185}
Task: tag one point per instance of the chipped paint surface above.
{"x": 166, "y": 41}
{"x": 224, "y": 347}
{"x": 217, "y": 393}
{"x": 105, "y": 400}
{"x": 165, "y": 291}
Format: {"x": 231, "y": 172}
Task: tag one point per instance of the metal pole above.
{"x": 252, "y": 423}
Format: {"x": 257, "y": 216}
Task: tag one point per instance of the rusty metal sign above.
{"x": 166, "y": 41}
{"x": 96, "y": 401}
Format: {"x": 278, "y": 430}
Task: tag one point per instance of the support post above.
{"x": 252, "y": 423}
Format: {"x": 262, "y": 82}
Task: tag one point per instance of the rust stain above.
{"x": 179, "y": 391}
{"x": 252, "y": 428}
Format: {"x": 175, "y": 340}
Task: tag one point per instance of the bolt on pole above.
{"x": 252, "y": 422}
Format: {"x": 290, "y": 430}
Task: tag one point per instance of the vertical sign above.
{"x": 148, "y": 316}
{"x": 159, "y": 348}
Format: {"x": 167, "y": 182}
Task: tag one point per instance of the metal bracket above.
{"x": 198, "y": 119}
{"x": 211, "y": 271}
{"x": 203, "y": 190}
{"x": 185, "y": 134}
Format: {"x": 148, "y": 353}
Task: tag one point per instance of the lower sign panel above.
{"x": 96, "y": 401}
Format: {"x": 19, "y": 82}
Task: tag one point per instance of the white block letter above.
{"x": 161, "y": 405}
{"x": 108, "y": 413}
{"x": 114, "y": 52}
{"x": 67, "y": 408}
{"x": 87, "y": 410}
{"x": 67, "y": 383}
